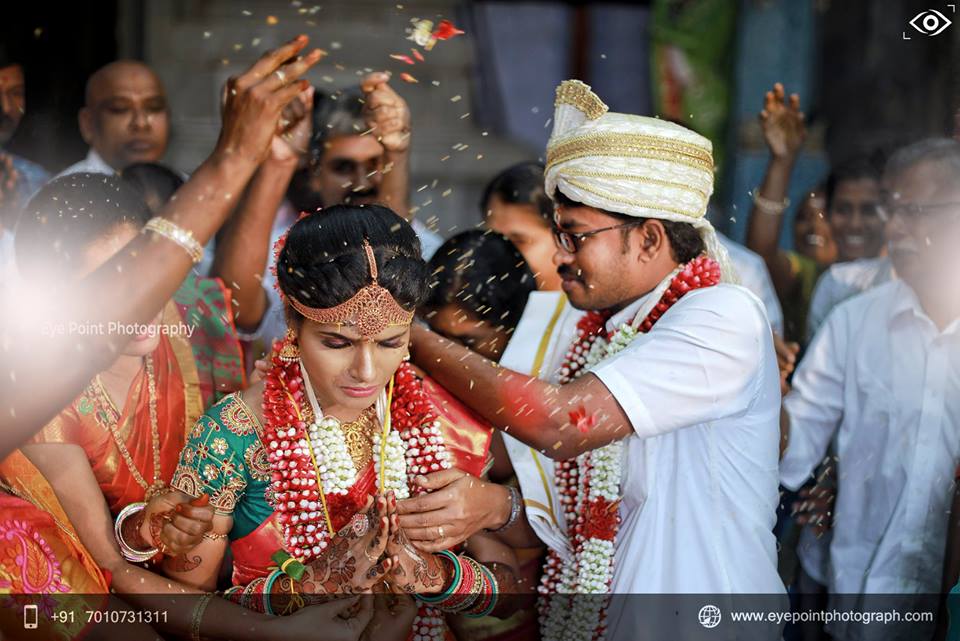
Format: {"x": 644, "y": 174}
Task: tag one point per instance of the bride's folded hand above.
{"x": 354, "y": 561}
{"x": 414, "y": 572}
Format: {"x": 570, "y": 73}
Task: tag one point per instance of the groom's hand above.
{"x": 455, "y": 507}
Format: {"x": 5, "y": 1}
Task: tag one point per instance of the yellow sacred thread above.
{"x": 316, "y": 468}
{"x": 386, "y": 432}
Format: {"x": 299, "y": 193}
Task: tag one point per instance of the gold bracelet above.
{"x": 183, "y": 237}
{"x": 198, "y": 611}
{"x": 214, "y": 536}
{"x": 768, "y": 206}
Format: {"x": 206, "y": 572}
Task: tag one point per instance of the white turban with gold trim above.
{"x": 632, "y": 165}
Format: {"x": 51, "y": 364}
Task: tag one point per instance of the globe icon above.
{"x": 709, "y": 616}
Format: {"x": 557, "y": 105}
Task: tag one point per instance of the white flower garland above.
{"x": 426, "y": 452}
{"x": 407, "y": 452}
{"x": 337, "y": 474}
{"x": 395, "y": 469}
{"x": 591, "y": 571}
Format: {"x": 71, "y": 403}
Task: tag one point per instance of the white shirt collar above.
{"x": 626, "y": 314}
{"x": 97, "y": 164}
{"x": 906, "y": 301}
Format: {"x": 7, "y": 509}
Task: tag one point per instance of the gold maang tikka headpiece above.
{"x": 370, "y": 311}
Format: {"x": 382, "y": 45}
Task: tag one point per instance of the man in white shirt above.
{"x": 19, "y": 178}
{"x": 882, "y": 380}
{"x": 754, "y": 275}
{"x": 125, "y": 118}
{"x": 356, "y": 151}
{"x": 676, "y": 425}
{"x": 842, "y": 281}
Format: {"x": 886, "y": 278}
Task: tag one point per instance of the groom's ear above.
{"x": 651, "y": 239}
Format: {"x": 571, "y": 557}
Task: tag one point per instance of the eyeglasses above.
{"x": 570, "y": 241}
{"x": 912, "y": 212}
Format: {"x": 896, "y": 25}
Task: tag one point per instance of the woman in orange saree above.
{"x": 167, "y": 394}
{"x": 132, "y": 419}
{"x": 42, "y": 561}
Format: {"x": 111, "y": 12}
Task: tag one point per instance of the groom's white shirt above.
{"x": 700, "y": 491}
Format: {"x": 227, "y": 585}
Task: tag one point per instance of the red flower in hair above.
{"x": 277, "y": 248}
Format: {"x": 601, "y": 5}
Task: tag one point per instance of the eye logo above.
{"x": 930, "y": 22}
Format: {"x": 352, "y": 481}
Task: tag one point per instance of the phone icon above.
{"x": 30, "y": 617}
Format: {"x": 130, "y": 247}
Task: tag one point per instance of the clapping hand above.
{"x": 296, "y": 126}
{"x": 386, "y": 113}
{"x": 783, "y": 123}
{"x": 254, "y": 100}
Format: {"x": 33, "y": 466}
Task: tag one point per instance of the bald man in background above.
{"x": 125, "y": 118}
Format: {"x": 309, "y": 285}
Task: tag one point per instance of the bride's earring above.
{"x": 290, "y": 351}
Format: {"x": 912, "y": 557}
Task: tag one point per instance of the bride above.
{"x": 304, "y": 469}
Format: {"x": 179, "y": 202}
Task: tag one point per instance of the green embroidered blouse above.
{"x": 225, "y": 458}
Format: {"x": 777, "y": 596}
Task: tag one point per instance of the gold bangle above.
{"x": 215, "y": 536}
{"x": 183, "y": 237}
{"x": 198, "y": 611}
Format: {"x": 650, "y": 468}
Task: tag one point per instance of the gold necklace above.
{"x": 158, "y": 483}
{"x": 359, "y": 441}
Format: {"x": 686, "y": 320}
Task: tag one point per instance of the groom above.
{"x": 667, "y": 397}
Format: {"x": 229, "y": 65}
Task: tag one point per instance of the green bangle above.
{"x": 425, "y": 598}
{"x": 271, "y": 579}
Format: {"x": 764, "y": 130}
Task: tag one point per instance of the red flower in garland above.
{"x": 581, "y": 420}
{"x": 601, "y": 518}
